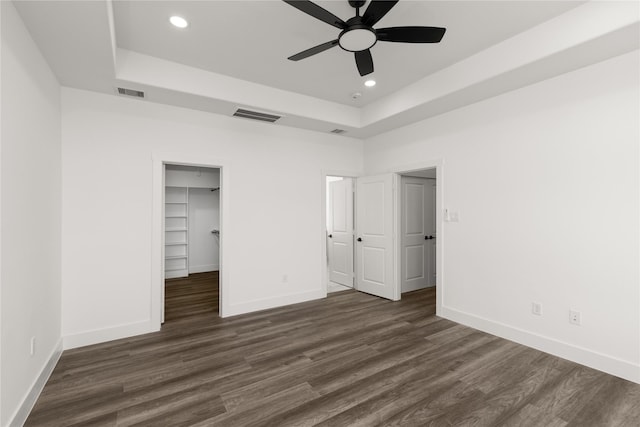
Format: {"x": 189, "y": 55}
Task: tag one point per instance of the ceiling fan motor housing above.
{"x": 357, "y": 36}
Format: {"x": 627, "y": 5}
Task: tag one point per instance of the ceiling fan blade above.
{"x": 411, "y": 34}
{"x": 376, "y": 10}
{"x": 364, "y": 61}
{"x": 316, "y": 49}
{"x": 317, "y": 12}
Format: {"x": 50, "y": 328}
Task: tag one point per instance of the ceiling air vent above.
{"x": 256, "y": 115}
{"x": 338, "y": 131}
{"x": 131, "y": 92}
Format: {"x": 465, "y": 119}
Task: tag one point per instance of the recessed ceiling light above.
{"x": 179, "y": 21}
{"x": 370, "y": 83}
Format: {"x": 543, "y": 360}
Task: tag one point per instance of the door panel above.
{"x": 373, "y": 258}
{"x": 373, "y": 200}
{"x": 414, "y": 256}
{"x": 414, "y": 208}
{"x": 417, "y": 227}
{"x": 374, "y": 232}
{"x": 340, "y": 255}
{"x": 340, "y": 232}
{"x": 339, "y": 205}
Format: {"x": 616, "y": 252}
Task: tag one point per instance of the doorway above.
{"x": 418, "y": 230}
{"x": 191, "y": 241}
{"x": 359, "y": 234}
{"x": 382, "y": 259}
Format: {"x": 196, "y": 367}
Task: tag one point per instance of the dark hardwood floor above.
{"x": 187, "y": 297}
{"x": 349, "y": 360}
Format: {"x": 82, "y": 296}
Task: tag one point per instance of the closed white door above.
{"x": 374, "y": 236}
{"x": 340, "y": 232}
{"x": 417, "y": 239}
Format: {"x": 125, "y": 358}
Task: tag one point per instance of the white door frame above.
{"x": 157, "y": 226}
{"x": 438, "y": 165}
{"x": 323, "y": 222}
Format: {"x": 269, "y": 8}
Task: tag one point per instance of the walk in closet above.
{"x": 192, "y": 218}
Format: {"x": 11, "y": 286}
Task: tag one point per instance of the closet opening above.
{"x": 191, "y": 250}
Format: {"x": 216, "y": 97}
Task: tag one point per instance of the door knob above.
{"x": 330, "y": 236}
{"x": 359, "y": 239}
{"x": 428, "y": 237}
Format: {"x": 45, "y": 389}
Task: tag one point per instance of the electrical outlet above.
{"x": 536, "y": 308}
{"x": 32, "y": 350}
{"x": 285, "y": 278}
{"x": 575, "y": 318}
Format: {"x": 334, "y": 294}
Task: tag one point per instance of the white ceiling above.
{"x": 234, "y": 54}
{"x": 251, "y": 40}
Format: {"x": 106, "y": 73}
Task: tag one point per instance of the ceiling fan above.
{"x": 358, "y": 34}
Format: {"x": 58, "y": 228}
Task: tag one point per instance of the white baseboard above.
{"x": 602, "y": 362}
{"x": 337, "y": 287}
{"x": 23, "y": 411}
{"x": 203, "y": 268}
{"x": 266, "y": 303}
{"x": 109, "y": 334}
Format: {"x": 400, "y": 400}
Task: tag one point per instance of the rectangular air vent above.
{"x": 131, "y": 92}
{"x": 256, "y": 115}
{"x": 338, "y": 131}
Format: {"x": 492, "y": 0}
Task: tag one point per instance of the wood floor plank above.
{"x": 566, "y": 398}
{"x": 615, "y": 404}
{"x": 433, "y": 410}
{"x": 270, "y": 406}
{"x": 293, "y": 377}
{"x": 530, "y": 415}
{"x": 351, "y": 359}
{"x": 201, "y": 402}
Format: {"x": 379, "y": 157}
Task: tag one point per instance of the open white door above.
{"x": 374, "y": 236}
{"x": 431, "y": 222}
{"x": 340, "y": 232}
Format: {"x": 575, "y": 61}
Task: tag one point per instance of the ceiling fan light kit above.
{"x": 358, "y": 37}
{"x": 358, "y": 34}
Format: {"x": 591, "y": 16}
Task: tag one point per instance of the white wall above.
{"x": 546, "y": 183}
{"x": 274, "y": 192}
{"x": 31, "y": 207}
